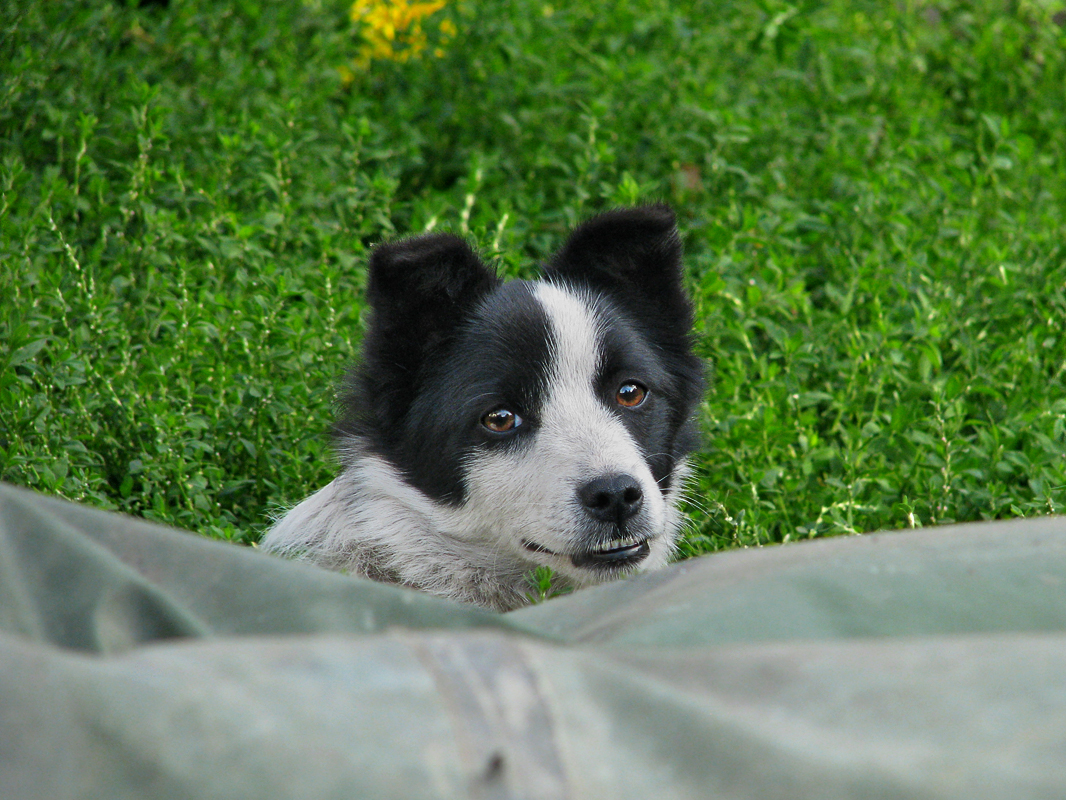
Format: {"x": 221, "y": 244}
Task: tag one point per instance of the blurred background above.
{"x": 872, "y": 197}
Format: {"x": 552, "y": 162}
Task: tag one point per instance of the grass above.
{"x": 873, "y": 198}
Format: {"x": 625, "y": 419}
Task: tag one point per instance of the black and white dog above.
{"x": 492, "y": 427}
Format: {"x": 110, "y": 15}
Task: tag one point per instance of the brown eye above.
{"x": 631, "y": 395}
{"x": 501, "y": 420}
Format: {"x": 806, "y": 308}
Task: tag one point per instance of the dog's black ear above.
{"x": 421, "y": 288}
{"x": 633, "y": 255}
{"x": 420, "y": 291}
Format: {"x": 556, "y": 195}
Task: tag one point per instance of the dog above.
{"x": 492, "y": 427}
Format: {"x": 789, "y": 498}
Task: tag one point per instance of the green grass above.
{"x": 873, "y": 198}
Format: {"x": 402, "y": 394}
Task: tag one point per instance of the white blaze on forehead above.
{"x": 576, "y": 352}
{"x": 577, "y": 430}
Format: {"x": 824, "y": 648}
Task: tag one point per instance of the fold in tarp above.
{"x": 138, "y": 661}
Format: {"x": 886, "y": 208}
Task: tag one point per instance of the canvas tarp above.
{"x": 142, "y": 662}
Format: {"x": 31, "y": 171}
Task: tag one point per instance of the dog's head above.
{"x": 546, "y": 421}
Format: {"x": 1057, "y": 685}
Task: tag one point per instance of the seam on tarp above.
{"x": 504, "y": 728}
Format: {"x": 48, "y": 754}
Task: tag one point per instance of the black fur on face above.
{"x": 449, "y": 342}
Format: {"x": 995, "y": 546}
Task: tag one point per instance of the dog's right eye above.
{"x": 501, "y": 420}
{"x": 631, "y": 395}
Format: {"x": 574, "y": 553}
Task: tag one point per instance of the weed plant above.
{"x": 872, "y": 195}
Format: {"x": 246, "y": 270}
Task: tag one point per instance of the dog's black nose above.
{"x": 612, "y": 498}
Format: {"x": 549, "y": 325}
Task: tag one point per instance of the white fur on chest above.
{"x": 369, "y": 523}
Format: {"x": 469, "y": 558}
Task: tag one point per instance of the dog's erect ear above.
{"x": 634, "y": 255}
{"x": 421, "y": 289}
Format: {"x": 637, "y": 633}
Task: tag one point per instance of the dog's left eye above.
{"x": 501, "y": 420}
{"x": 631, "y": 395}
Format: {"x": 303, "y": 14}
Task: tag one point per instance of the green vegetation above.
{"x": 873, "y": 197}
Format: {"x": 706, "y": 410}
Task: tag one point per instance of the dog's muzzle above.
{"x": 608, "y": 501}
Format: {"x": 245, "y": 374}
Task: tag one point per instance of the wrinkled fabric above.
{"x": 140, "y": 661}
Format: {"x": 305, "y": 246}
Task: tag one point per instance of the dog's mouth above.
{"x": 614, "y": 554}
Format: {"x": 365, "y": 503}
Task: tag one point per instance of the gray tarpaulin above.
{"x": 142, "y": 662}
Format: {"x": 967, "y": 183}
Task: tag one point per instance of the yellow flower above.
{"x": 392, "y": 29}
